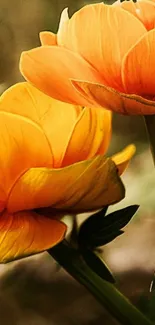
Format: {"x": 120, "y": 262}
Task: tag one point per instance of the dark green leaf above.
{"x": 97, "y": 265}
{"x": 101, "y": 240}
{"x": 94, "y": 221}
{"x": 99, "y": 229}
{"x": 90, "y": 226}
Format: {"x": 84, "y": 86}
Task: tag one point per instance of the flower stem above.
{"x": 103, "y": 291}
{"x": 150, "y": 126}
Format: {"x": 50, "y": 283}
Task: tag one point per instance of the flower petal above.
{"x": 122, "y": 159}
{"x": 87, "y": 185}
{"x": 105, "y": 40}
{"x": 48, "y": 38}
{"x": 27, "y": 233}
{"x": 49, "y": 114}
{"x": 138, "y": 67}
{"x": 107, "y": 132}
{"x": 143, "y": 10}
{"x": 63, "y": 25}
{"x": 50, "y": 68}
{"x": 78, "y": 125}
{"x": 23, "y": 145}
{"x": 90, "y": 136}
{"x": 115, "y": 101}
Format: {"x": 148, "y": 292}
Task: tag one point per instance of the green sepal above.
{"x": 99, "y": 230}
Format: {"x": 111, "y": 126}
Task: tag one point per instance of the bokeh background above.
{"x": 35, "y": 291}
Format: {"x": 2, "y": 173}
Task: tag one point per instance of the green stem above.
{"x": 103, "y": 291}
{"x": 150, "y": 126}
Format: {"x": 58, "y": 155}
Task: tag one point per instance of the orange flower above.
{"x": 106, "y": 52}
{"x": 51, "y": 156}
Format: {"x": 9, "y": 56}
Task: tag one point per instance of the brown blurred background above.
{"x": 33, "y": 291}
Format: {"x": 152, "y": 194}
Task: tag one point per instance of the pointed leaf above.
{"x": 99, "y": 230}
{"x": 105, "y": 238}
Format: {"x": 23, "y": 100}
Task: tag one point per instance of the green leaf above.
{"x": 99, "y": 229}
{"x": 104, "y": 238}
{"x": 106, "y": 293}
{"x": 95, "y": 262}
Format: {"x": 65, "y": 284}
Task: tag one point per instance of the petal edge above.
{"x": 113, "y": 100}
{"x": 86, "y": 185}
{"x": 26, "y": 233}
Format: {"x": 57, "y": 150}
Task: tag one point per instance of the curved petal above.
{"x": 78, "y": 125}
{"x": 115, "y": 101}
{"x": 23, "y": 145}
{"x": 143, "y": 10}
{"x": 27, "y": 233}
{"x": 90, "y": 136}
{"x": 107, "y": 132}
{"x": 138, "y": 67}
{"x": 84, "y": 186}
{"x": 63, "y": 25}
{"x": 47, "y": 113}
{"x": 48, "y": 38}
{"x": 104, "y": 41}
{"x": 122, "y": 159}
{"x": 50, "y": 68}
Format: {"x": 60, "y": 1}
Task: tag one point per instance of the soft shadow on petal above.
{"x": 86, "y": 185}
{"x": 122, "y": 159}
{"x": 138, "y": 67}
{"x": 102, "y": 35}
{"x": 81, "y": 138}
{"x": 109, "y": 98}
{"x": 89, "y": 137}
{"x": 23, "y": 145}
{"x": 143, "y": 10}
{"x": 50, "y": 68}
{"x": 107, "y": 118}
{"x": 52, "y": 116}
{"x": 102, "y": 136}
{"x": 26, "y": 233}
{"x": 48, "y": 38}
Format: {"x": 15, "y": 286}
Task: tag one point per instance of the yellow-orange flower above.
{"x": 107, "y": 52}
{"x": 52, "y": 155}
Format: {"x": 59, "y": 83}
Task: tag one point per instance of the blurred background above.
{"x": 35, "y": 291}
